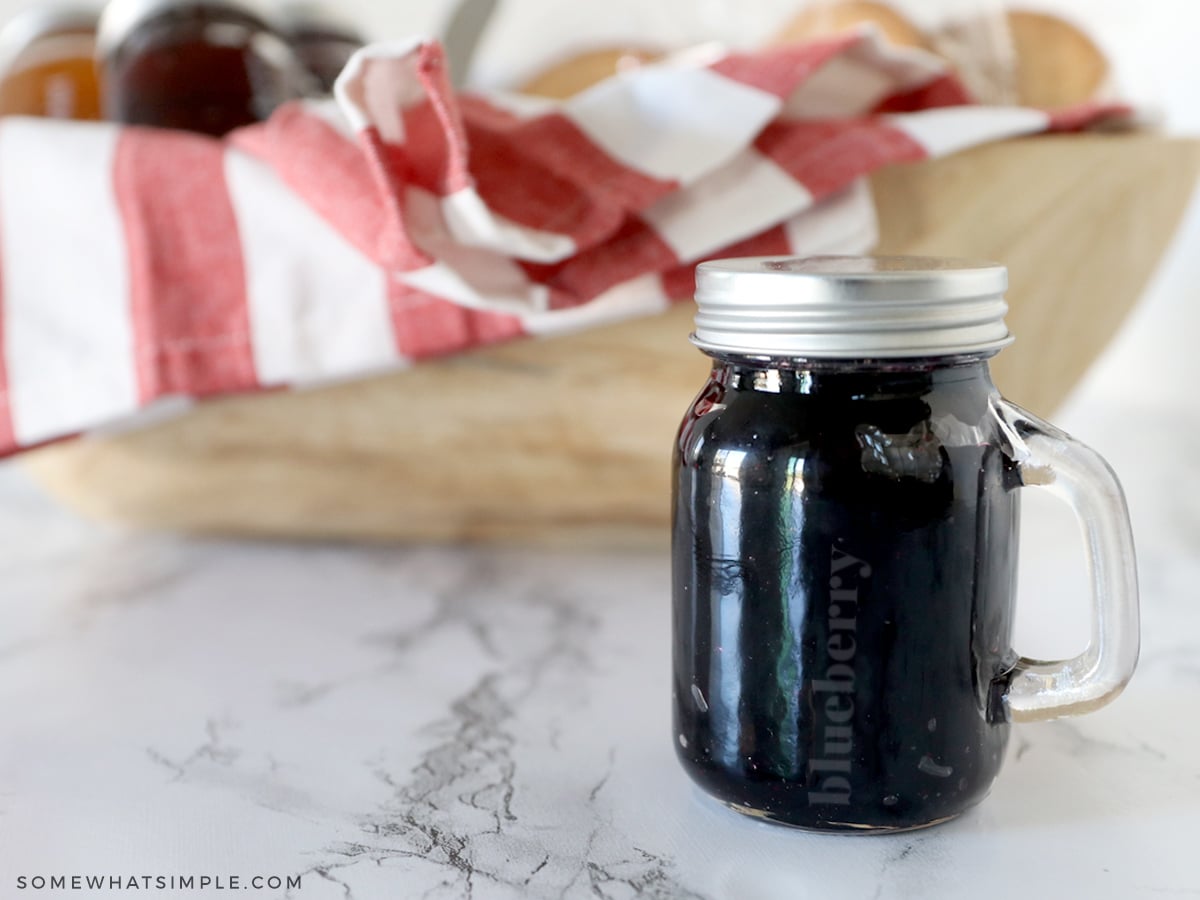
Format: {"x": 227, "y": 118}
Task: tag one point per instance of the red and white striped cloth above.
{"x": 403, "y": 221}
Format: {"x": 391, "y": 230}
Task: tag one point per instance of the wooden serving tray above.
{"x": 568, "y": 439}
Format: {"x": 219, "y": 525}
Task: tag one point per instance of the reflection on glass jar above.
{"x": 208, "y": 67}
{"x": 47, "y": 64}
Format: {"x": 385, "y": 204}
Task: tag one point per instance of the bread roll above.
{"x": 825, "y": 18}
{"x": 578, "y": 73}
{"x": 1057, "y": 64}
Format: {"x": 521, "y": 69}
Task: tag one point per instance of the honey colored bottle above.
{"x": 207, "y": 67}
{"x": 47, "y": 65}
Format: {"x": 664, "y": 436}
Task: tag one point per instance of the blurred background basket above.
{"x": 568, "y": 439}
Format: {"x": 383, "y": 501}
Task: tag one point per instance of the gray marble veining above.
{"x": 458, "y": 722}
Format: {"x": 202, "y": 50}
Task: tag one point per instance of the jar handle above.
{"x": 1049, "y": 458}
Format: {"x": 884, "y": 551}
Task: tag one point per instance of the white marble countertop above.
{"x": 493, "y": 723}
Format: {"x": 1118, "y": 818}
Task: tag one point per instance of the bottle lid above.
{"x": 122, "y": 17}
{"x": 850, "y": 307}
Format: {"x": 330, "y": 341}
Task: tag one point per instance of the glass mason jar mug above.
{"x": 846, "y": 491}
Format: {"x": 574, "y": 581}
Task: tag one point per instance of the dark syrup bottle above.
{"x": 207, "y": 67}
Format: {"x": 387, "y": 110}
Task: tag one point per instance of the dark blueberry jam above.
{"x": 844, "y": 562}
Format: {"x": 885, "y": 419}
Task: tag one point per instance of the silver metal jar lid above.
{"x": 857, "y": 307}
{"x": 122, "y": 17}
